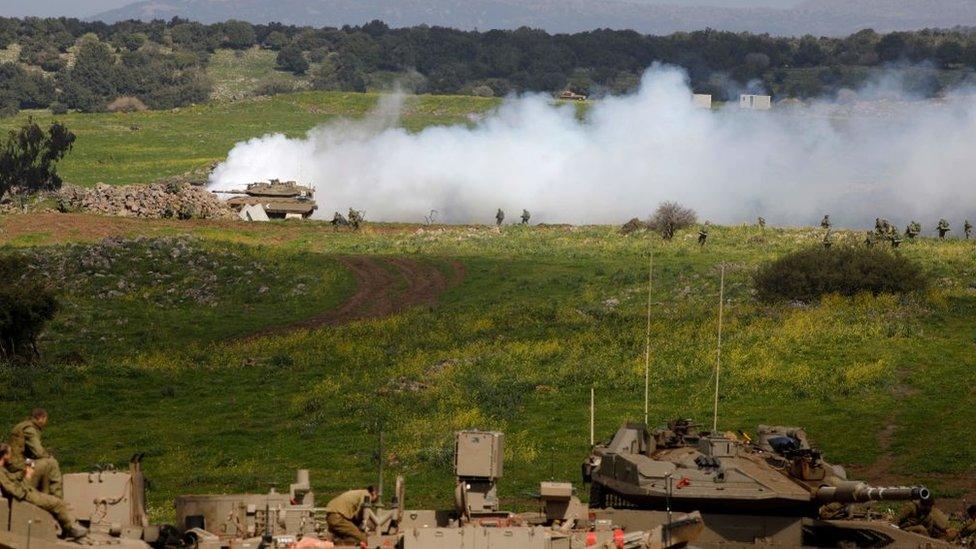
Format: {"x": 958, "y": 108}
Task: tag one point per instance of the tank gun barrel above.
{"x": 232, "y": 191}
{"x": 857, "y": 492}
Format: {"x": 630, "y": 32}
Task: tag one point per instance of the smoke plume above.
{"x": 897, "y": 159}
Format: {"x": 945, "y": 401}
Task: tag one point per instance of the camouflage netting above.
{"x": 156, "y": 200}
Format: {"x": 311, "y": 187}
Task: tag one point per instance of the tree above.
{"x": 671, "y": 217}
{"x": 26, "y": 306}
{"x": 291, "y": 59}
{"x": 238, "y": 35}
{"x": 29, "y": 157}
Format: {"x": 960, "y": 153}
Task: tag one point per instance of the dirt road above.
{"x": 384, "y": 286}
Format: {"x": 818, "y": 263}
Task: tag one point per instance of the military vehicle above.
{"x": 110, "y": 503}
{"x": 476, "y": 522}
{"x": 278, "y": 199}
{"x": 766, "y": 491}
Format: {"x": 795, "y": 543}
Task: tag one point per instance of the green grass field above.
{"x": 131, "y": 148}
{"x": 515, "y": 347}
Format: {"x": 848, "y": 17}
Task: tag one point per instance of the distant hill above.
{"x": 817, "y": 17}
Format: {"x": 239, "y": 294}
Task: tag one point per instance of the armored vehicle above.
{"x": 278, "y": 199}
{"x": 476, "y": 522}
{"x": 772, "y": 489}
{"x": 110, "y": 503}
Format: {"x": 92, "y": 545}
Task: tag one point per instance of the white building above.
{"x": 702, "y": 100}
{"x": 755, "y": 102}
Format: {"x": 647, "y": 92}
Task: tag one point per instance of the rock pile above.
{"x": 157, "y": 200}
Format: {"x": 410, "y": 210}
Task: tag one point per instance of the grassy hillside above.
{"x": 129, "y": 148}
{"x": 881, "y": 383}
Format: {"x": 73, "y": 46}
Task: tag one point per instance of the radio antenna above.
{"x": 718, "y": 358}
{"x": 592, "y": 415}
{"x": 647, "y": 335}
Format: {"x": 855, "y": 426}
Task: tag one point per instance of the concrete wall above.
{"x": 755, "y": 102}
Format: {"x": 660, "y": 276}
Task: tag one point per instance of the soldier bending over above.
{"x": 344, "y": 510}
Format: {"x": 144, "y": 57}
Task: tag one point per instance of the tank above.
{"x": 109, "y": 502}
{"x": 278, "y": 199}
{"x": 772, "y": 487}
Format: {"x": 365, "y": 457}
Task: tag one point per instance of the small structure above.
{"x": 755, "y": 102}
{"x": 702, "y": 100}
{"x": 277, "y": 199}
{"x": 253, "y": 212}
{"x": 570, "y": 95}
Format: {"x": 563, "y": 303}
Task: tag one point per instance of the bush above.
{"x": 127, "y": 104}
{"x": 671, "y": 217}
{"x": 274, "y": 87}
{"x": 806, "y": 275}
{"x": 58, "y": 108}
{"x": 26, "y": 306}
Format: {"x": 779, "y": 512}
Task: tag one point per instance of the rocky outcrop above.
{"x": 156, "y": 200}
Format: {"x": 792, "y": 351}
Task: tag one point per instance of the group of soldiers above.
{"x": 500, "y": 217}
{"x": 885, "y": 230}
{"x": 922, "y": 517}
{"x": 354, "y": 219}
{"x": 28, "y": 472}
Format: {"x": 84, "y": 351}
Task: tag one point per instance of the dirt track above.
{"x": 384, "y": 286}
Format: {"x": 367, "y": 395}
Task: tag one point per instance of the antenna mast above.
{"x": 592, "y": 413}
{"x": 718, "y": 360}
{"x": 647, "y": 335}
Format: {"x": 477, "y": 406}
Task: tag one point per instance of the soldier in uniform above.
{"x": 967, "y": 228}
{"x": 762, "y": 223}
{"x": 355, "y": 218}
{"x": 967, "y": 532}
{"x": 25, "y": 444}
{"x": 913, "y": 229}
{"x": 943, "y": 228}
{"x": 825, "y": 223}
{"x": 703, "y": 234}
{"x": 525, "y": 216}
{"x": 14, "y": 486}
{"x": 922, "y": 517}
{"x": 343, "y": 511}
{"x": 499, "y": 217}
{"x": 338, "y": 221}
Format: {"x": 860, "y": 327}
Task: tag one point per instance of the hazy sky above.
{"x": 84, "y": 8}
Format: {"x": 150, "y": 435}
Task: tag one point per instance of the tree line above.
{"x": 67, "y": 63}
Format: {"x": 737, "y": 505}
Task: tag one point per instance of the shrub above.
{"x": 805, "y": 275}
{"x": 671, "y": 217}
{"x": 26, "y": 306}
{"x": 127, "y": 104}
{"x": 274, "y": 87}
{"x": 58, "y": 108}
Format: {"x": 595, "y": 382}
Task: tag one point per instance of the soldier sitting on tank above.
{"x": 25, "y": 444}
{"x": 13, "y": 485}
{"x": 344, "y": 510}
{"x": 923, "y": 517}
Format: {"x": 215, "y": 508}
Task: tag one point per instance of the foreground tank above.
{"x": 772, "y": 487}
{"x": 110, "y": 503}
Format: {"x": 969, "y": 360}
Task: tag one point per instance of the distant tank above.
{"x": 771, "y": 488}
{"x": 278, "y": 199}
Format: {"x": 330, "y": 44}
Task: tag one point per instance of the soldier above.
{"x": 343, "y": 511}
{"x": 913, "y": 229}
{"x": 499, "y": 217}
{"x": 12, "y": 486}
{"x": 338, "y": 220}
{"x": 967, "y": 228}
{"x": 943, "y": 228}
{"x": 922, "y": 517}
{"x": 703, "y": 234}
{"x": 826, "y": 239}
{"x": 869, "y": 239}
{"x": 825, "y": 223}
{"x": 25, "y": 444}
{"x": 355, "y": 218}
{"x": 525, "y": 216}
{"x": 762, "y": 223}
{"x": 967, "y": 533}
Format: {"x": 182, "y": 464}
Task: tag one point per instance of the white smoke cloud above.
{"x": 632, "y": 152}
